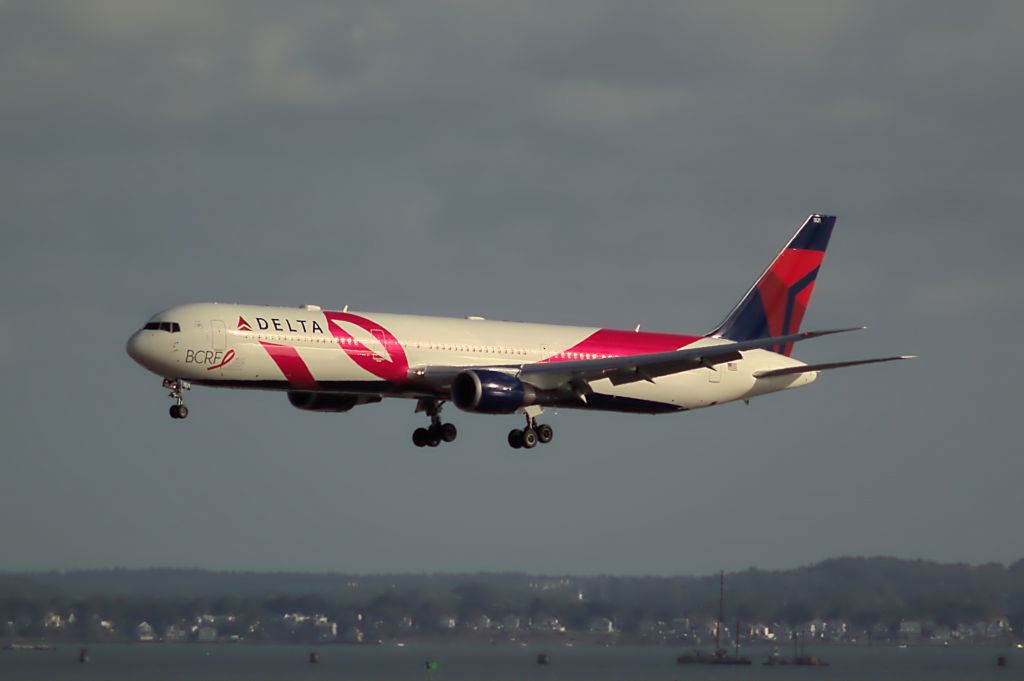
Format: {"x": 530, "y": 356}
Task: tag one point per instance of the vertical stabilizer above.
{"x": 776, "y": 303}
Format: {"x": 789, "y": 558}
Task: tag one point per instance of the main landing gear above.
{"x": 438, "y": 432}
{"x": 528, "y": 437}
{"x": 177, "y": 387}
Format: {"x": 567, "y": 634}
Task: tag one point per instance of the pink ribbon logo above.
{"x": 228, "y": 356}
{"x": 394, "y": 369}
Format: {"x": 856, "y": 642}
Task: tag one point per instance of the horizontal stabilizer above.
{"x": 807, "y": 368}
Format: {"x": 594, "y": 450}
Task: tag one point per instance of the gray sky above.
{"x": 600, "y": 163}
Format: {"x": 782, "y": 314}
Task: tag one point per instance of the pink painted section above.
{"x": 230, "y": 355}
{"x": 395, "y": 369}
{"x": 291, "y": 365}
{"x": 615, "y": 343}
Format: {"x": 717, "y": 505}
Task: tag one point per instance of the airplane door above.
{"x": 217, "y": 333}
{"x": 715, "y": 376}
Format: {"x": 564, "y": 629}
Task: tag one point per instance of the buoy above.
{"x": 314, "y": 657}
{"x": 1001, "y": 661}
{"x": 543, "y": 658}
{"x": 431, "y": 665}
{"x": 83, "y": 655}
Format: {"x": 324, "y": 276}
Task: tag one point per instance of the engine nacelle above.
{"x": 327, "y": 401}
{"x": 490, "y": 392}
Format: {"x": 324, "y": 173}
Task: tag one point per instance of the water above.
{"x": 190, "y": 662}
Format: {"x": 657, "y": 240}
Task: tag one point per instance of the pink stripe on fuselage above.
{"x": 395, "y": 369}
{"x": 616, "y": 343}
{"x": 291, "y": 365}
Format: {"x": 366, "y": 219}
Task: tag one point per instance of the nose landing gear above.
{"x": 529, "y": 437}
{"x": 177, "y": 387}
{"x": 438, "y": 432}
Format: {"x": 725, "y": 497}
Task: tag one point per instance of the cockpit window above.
{"x": 172, "y": 327}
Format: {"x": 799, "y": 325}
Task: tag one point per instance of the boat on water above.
{"x": 799, "y": 659}
{"x": 776, "y": 660}
{"x": 720, "y": 656}
{"x": 695, "y": 657}
{"x": 32, "y": 647}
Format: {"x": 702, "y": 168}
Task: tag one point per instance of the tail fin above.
{"x": 775, "y": 304}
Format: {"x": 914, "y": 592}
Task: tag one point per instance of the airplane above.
{"x": 334, "y": 361}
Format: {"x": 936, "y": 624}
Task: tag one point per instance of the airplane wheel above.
{"x": 433, "y": 436}
{"x": 515, "y": 438}
{"x": 545, "y": 433}
{"x": 419, "y": 437}
{"x": 174, "y": 411}
{"x": 449, "y": 432}
{"x": 182, "y": 411}
{"x": 529, "y": 438}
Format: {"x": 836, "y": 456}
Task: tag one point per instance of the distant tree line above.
{"x": 862, "y": 591}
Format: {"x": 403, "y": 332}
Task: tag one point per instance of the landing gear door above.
{"x": 217, "y": 333}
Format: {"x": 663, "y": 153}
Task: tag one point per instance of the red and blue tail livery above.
{"x": 333, "y": 361}
{"x": 776, "y": 303}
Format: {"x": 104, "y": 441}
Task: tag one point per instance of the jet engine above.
{"x": 490, "y": 392}
{"x": 309, "y": 401}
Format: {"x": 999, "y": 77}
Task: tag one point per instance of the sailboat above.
{"x": 799, "y": 658}
{"x": 720, "y": 656}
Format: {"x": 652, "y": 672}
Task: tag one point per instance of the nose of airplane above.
{"x": 135, "y": 348}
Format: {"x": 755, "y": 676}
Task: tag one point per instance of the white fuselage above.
{"x": 312, "y": 350}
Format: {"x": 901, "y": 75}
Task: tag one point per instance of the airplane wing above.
{"x": 632, "y": 368}
{"x": 619, "y": 370}
{"x": 768, "y": 373}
